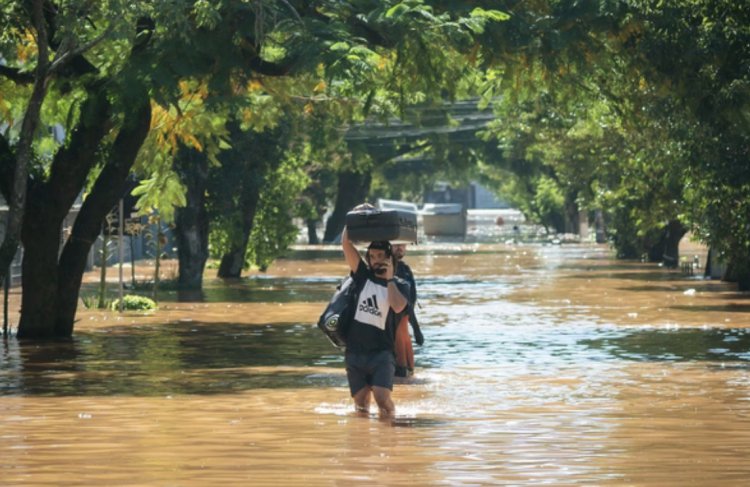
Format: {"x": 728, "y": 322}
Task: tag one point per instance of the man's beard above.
{"x": 379, "y": 269}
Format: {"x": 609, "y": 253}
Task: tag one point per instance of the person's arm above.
{"x": 418, "y": 336}
{"x": 396, "y": 300}
{"x": 351, "y": 254}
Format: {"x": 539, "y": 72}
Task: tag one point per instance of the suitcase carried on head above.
{"x": 395, "y": 226}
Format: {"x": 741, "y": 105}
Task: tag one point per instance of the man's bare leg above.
{"x": 385, "y": 403}
{"x": 362, "y": 401}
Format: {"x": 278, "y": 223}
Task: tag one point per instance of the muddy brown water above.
{"x": 543, "y": 365}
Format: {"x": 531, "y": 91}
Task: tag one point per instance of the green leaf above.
{"x": 397, "y": 10}
{"x": 493, "y": 15}
{"x": 339, "y": 46}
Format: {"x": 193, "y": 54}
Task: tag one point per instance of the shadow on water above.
{"x": 261, "y": 289}
{"x": 683, "y": 345}
{"x": 255, "y": 289}
{"x": 727, "y": 308}
{"x": 681, "y": 284}
{"x": 606, "y": 267}
{"x": 171, "y": 359}
{"x": 415, "y": 422}
{"x": 658, "y": 289}
{"x": 647, "y": 276}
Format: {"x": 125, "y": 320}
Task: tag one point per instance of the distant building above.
{"x": 472, "y": 196}
{"x": 484, "y": 198}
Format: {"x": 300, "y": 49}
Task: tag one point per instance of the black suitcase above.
{"x": 396, "y": 226}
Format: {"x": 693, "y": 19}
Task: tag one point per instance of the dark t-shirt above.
{"x": 374, "y": 326}
{"x": 404, "y": 272}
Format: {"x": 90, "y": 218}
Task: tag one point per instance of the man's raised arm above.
{"x": 351, "y": 254}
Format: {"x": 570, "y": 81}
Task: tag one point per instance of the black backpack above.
{"x": 338, "y": 315}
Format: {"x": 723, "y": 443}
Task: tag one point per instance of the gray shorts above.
{"x": 370, "y": 369}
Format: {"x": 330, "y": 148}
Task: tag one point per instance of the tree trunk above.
{"x": 353, "y": 188}
{"x": 191, "y": 221}
{"x": 738, "y": 270}
{"x": 667, "y": 247}
{"x": 233, "y": 261}
{"x": 48, "y": 204}
{"x": 600, "y": 227}
{"x": 312, "y": 232}
{"x": 708, "y": 268}
{"x": 239, "y": 183}
{"x": 7, "y": 168}
{"x": 40, "y": 274}
{"x": 108, "y": 189}
{"x": 743, "y": 281}
{"x": 675, "y": 232}
{"x": 571, "y": 222}
{"x": 24, "y": 152}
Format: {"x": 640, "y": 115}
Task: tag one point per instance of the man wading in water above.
{"x": 404, "y": 350}
{"x": 370, "y": 359}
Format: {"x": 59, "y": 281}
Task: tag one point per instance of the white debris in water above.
{"x": 689, "y": 292}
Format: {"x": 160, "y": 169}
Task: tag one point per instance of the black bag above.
{"x": 338, "y": 315}
{"x": 368, "y": 225}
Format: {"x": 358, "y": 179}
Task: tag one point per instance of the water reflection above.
{"x": 724, "y": 345}
{"x": 255, "y": 289}
{"x": 542, "y": 365}
{"x": 181, "y": 358}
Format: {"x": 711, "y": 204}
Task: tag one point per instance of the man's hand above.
{"x": 363, "y": 206}
{"x": 384, "y": 269}
{"x": 388, "y": 266}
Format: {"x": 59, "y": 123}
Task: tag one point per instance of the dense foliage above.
{"x": 636, "y": 108}
{"x": 151, "y": 87}
{"x": 239, "y": 116}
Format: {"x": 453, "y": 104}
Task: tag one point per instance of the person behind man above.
{"x": 404, "y": 349}
{"x": 382, "y": 301}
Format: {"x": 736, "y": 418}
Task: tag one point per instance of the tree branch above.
{"x": 62, "y": 59}
{"x": 294, "y": 11}
{"x": 16, "y": 75}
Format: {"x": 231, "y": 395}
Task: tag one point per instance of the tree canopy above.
{"x": 636, "y": 108}
{"x": 159, "y": 82}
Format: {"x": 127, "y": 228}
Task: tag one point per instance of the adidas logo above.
{"x": 370, "y": 305}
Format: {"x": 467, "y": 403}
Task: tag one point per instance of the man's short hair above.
{"x": 381, "y": 245}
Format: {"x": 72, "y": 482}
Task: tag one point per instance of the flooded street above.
{"x": 542, "y": 365}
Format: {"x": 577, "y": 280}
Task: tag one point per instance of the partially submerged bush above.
{"x": 134, "y": 302}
